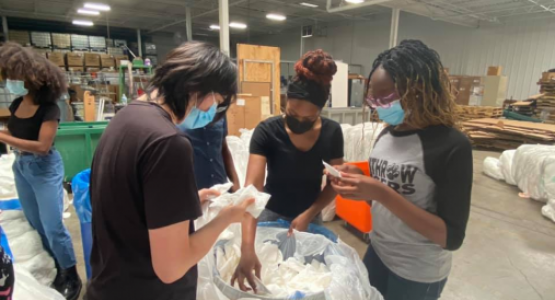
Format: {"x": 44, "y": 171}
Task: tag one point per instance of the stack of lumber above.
{"x": 467, "y": 112}
{"x": 545, "y": 109}
{"x": 507, "y": 134}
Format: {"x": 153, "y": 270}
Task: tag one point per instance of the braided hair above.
{"x": 422, "y": 83}
{"x": 39, "y": 74}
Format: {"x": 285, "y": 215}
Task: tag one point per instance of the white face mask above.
{"x": 16, "y": 87}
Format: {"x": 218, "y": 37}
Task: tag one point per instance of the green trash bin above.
{"x": 76, "y": 142}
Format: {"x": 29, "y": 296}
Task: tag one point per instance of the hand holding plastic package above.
{"x": 260, "y": 200}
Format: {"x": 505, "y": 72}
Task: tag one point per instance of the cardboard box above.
{"x": 57, "y": 59}
{"x": 495, "y": 70}
{"x": 107, "y": 61}
{"x": 246, "y": 112}
{"x": 74, "y": 59}
{"x": 548, "y": 76}
{"x": 119, "y": 58}
{"x": 76, "y": 69}
{"x": 92, "y": 60}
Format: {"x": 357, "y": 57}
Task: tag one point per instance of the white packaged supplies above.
{"x": 533, "y": 170}
{"x": 492, "y": 168}
{"x": 27, "y": 287}
{"x": 226, "y": 199}
{"x": 506, "y": 165}
{"x": 548, "y": 210}
{"x": 7, "y": 181}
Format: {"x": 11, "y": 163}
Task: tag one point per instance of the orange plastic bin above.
{"x": 356, "y": 213}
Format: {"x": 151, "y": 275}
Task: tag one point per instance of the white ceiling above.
{"x": 169, "y": 15}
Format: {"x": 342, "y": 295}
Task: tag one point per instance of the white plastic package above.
{"x": 226, "y": 199}
{"x": 548, "y": 210}
{"x": 492, "y": 168}
{"x": 27, "y": 287}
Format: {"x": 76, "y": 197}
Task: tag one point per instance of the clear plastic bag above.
{"x": 349, "y": 278}
{"x": 548, "y": 210}
{"x": 533, "y": 170}
{"x": 506, "y": 165}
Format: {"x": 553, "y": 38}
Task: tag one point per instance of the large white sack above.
{"x": 548, "y": 210}
{"x": 360, "y": 139}
{"x": 7, "y": 182}
{"x": 533, "y": 170}
{"x": 27, "y": 287}
{"x": 492, "y": 168}
{"x": 506, "y": 165}
{"x": 41, "y": 266}
{"x": 240, "y": 154}
{"x": 27, "y": 246}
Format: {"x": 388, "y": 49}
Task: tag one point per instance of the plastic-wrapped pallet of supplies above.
{"x": 492, "y": 168}
{"x": 7, "y": 181}
{"x": 27, "y": 287}
{"x": 359, "y": 140}
{"x": 305, "y": 266}
{"x": 506, "y": 164}
{"x": 26, "y": 245}
{"x": 533, "y": 170}
{"x": 548, "y": 210}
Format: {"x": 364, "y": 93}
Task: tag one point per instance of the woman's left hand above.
{"x": 300, "y": 223}
{"x": 358, "y": 187}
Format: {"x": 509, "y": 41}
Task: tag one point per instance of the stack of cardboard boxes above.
{"x": 75, "y": 62}
{"x": 107, "y": 62}
{"x": 92, "y": 62}
{"x": 57, "y": 58}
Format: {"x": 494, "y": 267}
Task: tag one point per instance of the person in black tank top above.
{"x": 38, "y": 168}
{"x": 292, "y": 147}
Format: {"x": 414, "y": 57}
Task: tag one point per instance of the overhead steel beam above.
{"x": 321, "y": 11}
{"x": 189, "y": 23}
{"x": 394, "y": 30}
{"x": 194, "y": 17}
{"x": 224, "y": 26}
{"x": 545, "y": 8}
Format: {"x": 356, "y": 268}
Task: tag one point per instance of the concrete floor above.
{"x": 508, "y": 253}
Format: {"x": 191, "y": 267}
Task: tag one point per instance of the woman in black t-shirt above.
{"x": 38, "y": 168}
{"x": 293, "y": 147}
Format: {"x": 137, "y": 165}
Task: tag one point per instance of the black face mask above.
{"x": 298, "y": 127}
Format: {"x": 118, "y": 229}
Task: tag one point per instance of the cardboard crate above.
{"x": 107, "y": 61}
{"x": 495, "y": 70}
{"x": 57, "y": 58}
{"x": 92, "y": 60}
{"x": 41, "y": 39}
{"x": 74, "y": 59}
{"x": 119, "y": 58}
{"x": 61, "y": 40}
{"x": 21, "y": 37}
{"x": 246, "y": 112}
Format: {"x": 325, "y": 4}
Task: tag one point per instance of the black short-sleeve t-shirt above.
{"x": 294, "y": 176}
{"x": 29, "y": 128}
{"x": 142, "y": 178}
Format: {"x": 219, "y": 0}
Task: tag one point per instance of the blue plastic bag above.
{"x": 312, "y": 228}
{"x": 82, "y": 196}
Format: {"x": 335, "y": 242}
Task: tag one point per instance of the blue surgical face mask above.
{"x": 16, "y": 87}
{"x": 198, "y": 118}
{"x": 392, "y": 115}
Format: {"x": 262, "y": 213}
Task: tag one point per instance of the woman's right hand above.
{"x": 249, "y": 262}
{"x": 236, "y": 213}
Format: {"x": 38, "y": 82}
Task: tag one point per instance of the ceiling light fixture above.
{"x": 82, "y": 23}
{"x": 97, "y": 6}
{"x": 237, "y": 25}
{"x": 308, "y": 4}
{"x": 89, "y": 12}
{"x": 354, "y": 1}
{"x": 276, "y": 17}
{"x": 215, "y": 27}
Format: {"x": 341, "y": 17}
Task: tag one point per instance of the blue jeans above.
{"x": 38, "y": 179}
{"x": 393, "y": 287}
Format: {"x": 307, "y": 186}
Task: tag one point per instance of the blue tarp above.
{"x": 81, "y": 196}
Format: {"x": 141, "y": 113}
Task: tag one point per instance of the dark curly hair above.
{"x": 317, "y": 66}
{"x": 422, "y": 83}
{"x": 195, "y": 67}
{"x": 41, "y": 77}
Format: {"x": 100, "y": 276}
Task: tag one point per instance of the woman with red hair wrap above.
{"x": 292, "y": 148}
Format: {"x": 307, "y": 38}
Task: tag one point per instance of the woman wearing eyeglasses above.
{"x": 143, "y": 188}
{"x": 421, "y": 180}
{"x": 292, "y": 148}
